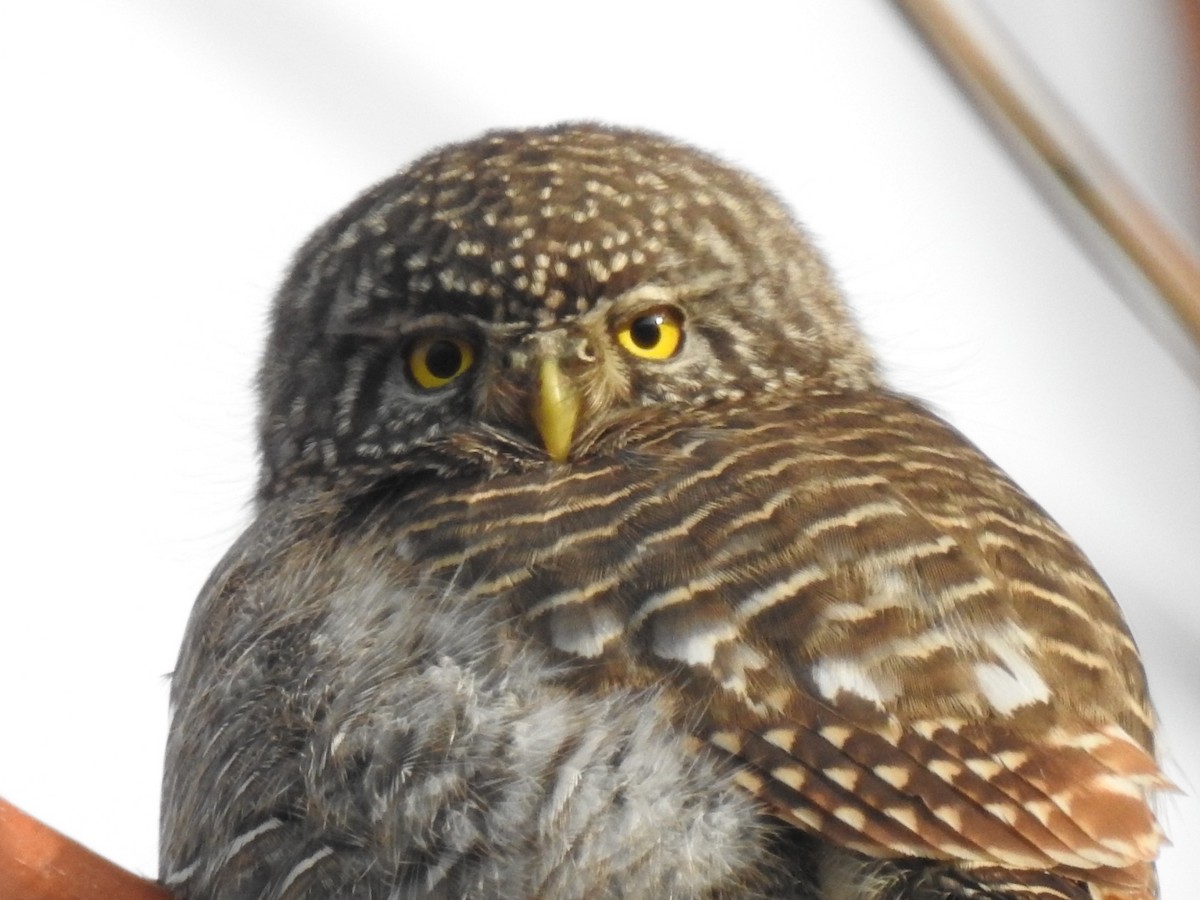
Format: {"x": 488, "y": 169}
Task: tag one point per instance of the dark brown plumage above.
{"x": 568, "y": 434}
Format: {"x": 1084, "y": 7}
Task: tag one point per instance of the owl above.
{"x": 593, "y": 558}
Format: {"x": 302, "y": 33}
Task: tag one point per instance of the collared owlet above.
{"x": 593, "y": 558}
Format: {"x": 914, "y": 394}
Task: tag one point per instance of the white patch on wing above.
{"x": 1012, "y": 682}
{"x": 832, "y": 675}
{"x": 889, "y": 589}
{"x": 740, "y": 660}
{"x": 584, "y": 630}
{"x": 693, "y": 643}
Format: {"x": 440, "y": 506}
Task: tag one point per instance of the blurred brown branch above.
{"x": 38, "y": 863}
{"x": 1011, "y": 96}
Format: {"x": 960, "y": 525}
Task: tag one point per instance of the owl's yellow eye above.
{"x": 435, "y": 361}
{"x": 654, "y": 335}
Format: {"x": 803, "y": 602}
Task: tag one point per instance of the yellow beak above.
{"x": 555, "y": 410}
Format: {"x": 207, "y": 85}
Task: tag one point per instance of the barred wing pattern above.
{"x": 901, "y": 650}
{"x": 585, "y": 406}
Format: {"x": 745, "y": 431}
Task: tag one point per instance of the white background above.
{"x": 162, "y": 158}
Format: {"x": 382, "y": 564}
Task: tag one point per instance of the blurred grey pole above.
{"x": 1152, "y": 269}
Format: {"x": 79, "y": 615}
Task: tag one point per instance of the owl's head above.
{"x": 521, "y": 298}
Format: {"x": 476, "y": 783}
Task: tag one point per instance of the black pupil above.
{"x": 647, "y": 331}
{"x": 443, "y": 359}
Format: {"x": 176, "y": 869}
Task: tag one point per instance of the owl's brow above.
{"x": 399, "y": 324}
{"x": 492, "y": 327}
{"x": 651, "y": 294}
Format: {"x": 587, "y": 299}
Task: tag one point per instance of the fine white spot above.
{"x": 597, "y": 270}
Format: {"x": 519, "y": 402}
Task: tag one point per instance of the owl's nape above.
{"x": 593, "y": 558}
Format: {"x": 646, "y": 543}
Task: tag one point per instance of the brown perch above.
{"x": 38, "y": 863}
